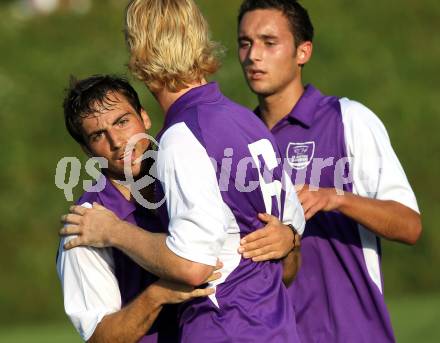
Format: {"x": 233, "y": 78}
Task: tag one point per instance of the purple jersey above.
{"x": 218, "y": 168}
{"x": 131, "y": 278}
{"x": 337, "y": 143}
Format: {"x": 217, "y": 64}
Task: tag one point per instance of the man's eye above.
{"x": 269, "y": 43}
{"x": 122, "y": 122}
{"x": 96, "y": 137}
{"x": 244, "y": 44}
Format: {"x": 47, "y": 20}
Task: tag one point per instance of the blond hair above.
{"x": 169, "y": 44}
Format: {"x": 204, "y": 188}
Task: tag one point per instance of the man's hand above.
{"x": 93, "y": 226}
{"x": 274, "y": 241}
{"x": 315, "y": 200}
{"x": 174, "y": 293}
{"x": 139, "y": 315}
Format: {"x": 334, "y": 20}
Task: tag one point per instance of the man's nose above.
{"x": 255, "y": 53}
{"x": 115, "y": 139}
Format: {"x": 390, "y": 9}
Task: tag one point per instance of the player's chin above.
{"x": 130, "y": 172}
{"x": 260, "y": 88}
{"x": 136, "y": 170}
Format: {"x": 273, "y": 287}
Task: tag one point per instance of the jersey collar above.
{"x": 112, "y": 199}
{"x": 207, "y": 93}
{"x": 305, "y": 109}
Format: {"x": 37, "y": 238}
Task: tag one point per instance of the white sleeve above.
{"x": 90, "y": 288}
{"x": 198, "y": 224}
{"x": 293, "y": 213}
{"x": 376, "y": 170}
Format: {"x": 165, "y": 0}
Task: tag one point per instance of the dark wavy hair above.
{"x": 87, "y": 96}
{"x": 298, "y": 17}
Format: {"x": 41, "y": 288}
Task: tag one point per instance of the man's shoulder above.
{"x": 315, "y": 99}
{"x": 357, "y": 115}
{"x": 88, "y": 198}
{"x": 230, "y": 119}
{"x": 223, "y": 118}
{"x": 228, "y": 109}
{"x": 353, "y": 114}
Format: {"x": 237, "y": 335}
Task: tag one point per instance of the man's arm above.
{"x": 274, "y": 241}
{"x": 291, "y": 265}
{"x": 92, "y": 299}
{"x": 100, "y": 227}
{"x": 382, "y": 200}
{"x": 131, "y": 323}
{"x": 90, "y": 289}
{"x": 386, "y": 218}
{"x": 277, "y": 239}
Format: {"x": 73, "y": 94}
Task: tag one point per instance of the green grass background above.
{"x": 383, "y": 54}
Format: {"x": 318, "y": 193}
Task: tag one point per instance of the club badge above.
{"x": 299, "y": 155}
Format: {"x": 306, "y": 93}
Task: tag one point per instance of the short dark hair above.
{"x": 298, "y": 17}
{"x": 86, "y": 96}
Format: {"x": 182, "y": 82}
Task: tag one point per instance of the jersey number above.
{"x": 265, "y": 149}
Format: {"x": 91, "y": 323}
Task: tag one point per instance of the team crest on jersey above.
{"x": 299, "y": 155}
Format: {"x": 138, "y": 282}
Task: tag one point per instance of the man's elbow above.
{"x": 415, "y": 229}
{"x": 197, "y": 274}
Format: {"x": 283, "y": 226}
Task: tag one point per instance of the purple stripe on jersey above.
{"x": 335, "y": 299}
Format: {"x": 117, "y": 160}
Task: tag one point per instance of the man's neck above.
{"x": 122, "y": 187}
{"x": 166, "y": 99}
{"x": 276, "y": 106}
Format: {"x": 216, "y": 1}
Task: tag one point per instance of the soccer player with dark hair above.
{"x": 209, "y": 205}
{"x": 107, "y": 296}
{"x": 355, "y": 191}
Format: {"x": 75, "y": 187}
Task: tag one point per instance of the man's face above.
{"x": 267, "y": 51}
{"x": 108, "y": 130}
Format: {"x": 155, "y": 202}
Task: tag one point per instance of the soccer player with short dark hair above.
{"x": 355, "y": 192}
{"x": 107, "y": 296}
{"x": 210, "y": 204}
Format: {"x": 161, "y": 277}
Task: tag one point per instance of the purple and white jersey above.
{"x": 218, "y": 168}
{"x": 339, "y": 143}
{"x": 98, "y": 282}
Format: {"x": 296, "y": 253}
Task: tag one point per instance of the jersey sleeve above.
{"x": 376, "y": 170}
{"x": 198, "y": 224}
{"x": 89, "y": 285}
{"x": 293, "y": 213}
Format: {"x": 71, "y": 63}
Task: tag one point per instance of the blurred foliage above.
{"x": 383, "y": 54}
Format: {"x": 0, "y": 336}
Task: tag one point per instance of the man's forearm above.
{"x": 130, "y": 323}
{"x": 291, "y": 265}
{"x": 388, "y": 219}
{"x": 150, "y": 251}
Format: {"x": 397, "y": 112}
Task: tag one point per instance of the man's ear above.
{"x": 304, "y": 52}
{"x": 146, "y": 119}
{"x": 86, "y": 150}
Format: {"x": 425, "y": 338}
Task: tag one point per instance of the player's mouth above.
{"x": 255, "y": 74}
{"x": 129, "y": 157}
